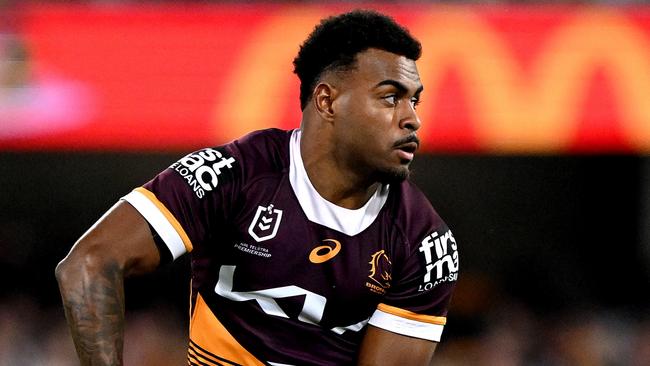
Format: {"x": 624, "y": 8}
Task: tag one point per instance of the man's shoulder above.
{"x": 411, "y": 197}
{"x": 267, "y": 136}
{"x": 412, "y": 209}
{"x": 262, "y": 151}
{"x": 266, "y": 142}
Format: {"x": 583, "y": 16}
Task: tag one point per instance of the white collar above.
{"x": 320, "y": 210}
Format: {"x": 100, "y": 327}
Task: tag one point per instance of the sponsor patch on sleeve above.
{"x": 205, "y": 169}
{"x": 441, "y": 257}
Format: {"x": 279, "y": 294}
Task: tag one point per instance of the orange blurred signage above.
{"x": 502, "y": 80}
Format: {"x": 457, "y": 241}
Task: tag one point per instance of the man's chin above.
{"x": 394, "y": 175}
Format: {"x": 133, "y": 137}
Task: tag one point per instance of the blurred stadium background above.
{"x": 536, "y": 151}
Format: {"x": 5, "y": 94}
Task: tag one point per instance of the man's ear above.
{"x": 323, "y": 99}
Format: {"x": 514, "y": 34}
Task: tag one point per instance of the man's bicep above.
{"x": 382, "y": 347}
{"x": 121, "y": 235}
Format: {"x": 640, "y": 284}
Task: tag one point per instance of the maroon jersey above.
{"x": 281, "y": 276}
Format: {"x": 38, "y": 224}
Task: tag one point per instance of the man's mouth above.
{"x": 406, "y": 147}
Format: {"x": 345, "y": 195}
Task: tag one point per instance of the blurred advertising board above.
{"x": 504, "y": 79}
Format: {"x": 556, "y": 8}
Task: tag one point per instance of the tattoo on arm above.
{"x": 94, "y": 308}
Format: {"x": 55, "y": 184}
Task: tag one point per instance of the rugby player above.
{"x": 308, "y": 247}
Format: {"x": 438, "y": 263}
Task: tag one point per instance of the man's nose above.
{"x": 409, "y": 118}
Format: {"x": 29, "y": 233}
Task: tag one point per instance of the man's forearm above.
{"x": 93, "y": 299}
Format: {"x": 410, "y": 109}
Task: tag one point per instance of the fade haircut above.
{"x": 334, "y": 44}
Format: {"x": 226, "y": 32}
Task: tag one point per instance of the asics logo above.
{"x": 325, "y": 252}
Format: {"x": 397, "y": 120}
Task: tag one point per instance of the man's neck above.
{"x": 332, "y": 179}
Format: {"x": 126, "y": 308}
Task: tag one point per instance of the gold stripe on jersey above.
{"x": 210, "y": 337}
{"x": 198, "y": 355}
{"x": 439, "y": 320}
{"x": 169, "y": 216}
{"x": 193, "y": 360}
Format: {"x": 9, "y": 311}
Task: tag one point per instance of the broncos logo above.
{"x": 380, "y": 269}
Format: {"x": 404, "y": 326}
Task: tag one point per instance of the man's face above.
{"x": 375, "y": 117}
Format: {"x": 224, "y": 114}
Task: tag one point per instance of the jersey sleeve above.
{"x": 185, "y": 201}
{"x": 416, "y": 304}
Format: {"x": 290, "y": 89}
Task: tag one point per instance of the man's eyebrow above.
{"x": 399, "y": 86}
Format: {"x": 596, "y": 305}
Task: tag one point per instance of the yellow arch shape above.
{"x": 513, "y": 112}
{"x": 607, "y": 39}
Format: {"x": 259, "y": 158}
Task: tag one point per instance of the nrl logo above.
{"x": 266, "y": 223}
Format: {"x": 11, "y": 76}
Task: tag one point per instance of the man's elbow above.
{"x": 67, "y": 269}
{"x": 82, "y": 262}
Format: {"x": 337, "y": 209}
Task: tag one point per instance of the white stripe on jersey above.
{"x": 354, "y": 327}
{"x": 408, "y": 327}
{"x": 159, "y": 222}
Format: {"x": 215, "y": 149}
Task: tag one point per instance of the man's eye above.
{"x": 391, "y": 99}
{"x": 415, "y": 102}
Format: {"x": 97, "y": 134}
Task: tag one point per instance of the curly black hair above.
{"x": 335, "y": 42}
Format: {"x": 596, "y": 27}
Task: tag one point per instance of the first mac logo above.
{"x": 440, "y": 254}
{"x": 202, "y": 169}
{"x": 265, "y": 224}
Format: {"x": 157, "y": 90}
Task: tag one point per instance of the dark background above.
{"x": 554, "y": 257}
{"x": 551, "y": 231}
